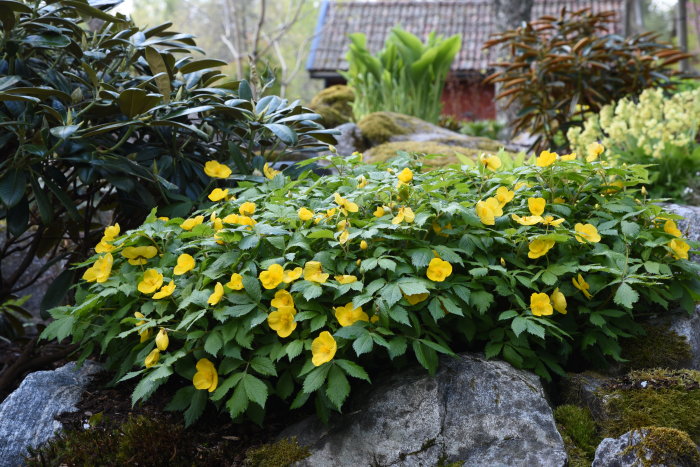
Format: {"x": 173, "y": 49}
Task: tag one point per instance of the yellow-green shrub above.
{"x": 435, "y": 266}
{"x": 656, "y": 129}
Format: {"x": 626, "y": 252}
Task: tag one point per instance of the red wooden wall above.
{"x": 468, "y": 99}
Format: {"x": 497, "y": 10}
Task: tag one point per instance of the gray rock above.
{"x": 623, "y": 451}
{"x": 690, "y": 225}
{"x": 582, "y": 389}
{"x": 475, "y": 411}
{"x": 688, "y": 326}
{"x": 349, "y": 140}
{"x": 27, "y": 416}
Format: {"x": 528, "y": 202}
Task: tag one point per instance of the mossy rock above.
{"x": 579, "y": 432}
{"x": 388, "y": 150}
{"x": 659, "y": 347}
{"x": 380, "y": 127}
{"x": 658, "y": 397}
{"x": 666, "y": 446}
{"x": 334, "y": 104}
{"x": 282, "y": 453}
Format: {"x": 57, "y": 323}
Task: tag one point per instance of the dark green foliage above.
{"x": 99, "y": 116}
{"x": 279, "y": 454}
{"x": 561, "y": 68}
{"x": 579, "y": 432}
{"x": 659, "y": 347}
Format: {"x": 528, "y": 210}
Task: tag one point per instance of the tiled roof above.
{"x": 471, "y": 18}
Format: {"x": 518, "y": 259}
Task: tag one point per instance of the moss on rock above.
{"x": 665, "y": 446}
{"x": 659, "y": 397}
{"x": 282, "y": 453}
{"x": 334, "y": 104}
{"x": 579, "y": 432}
{"x": 659, "y": 347}
{"x": 378, "y": 127}
{"x": 388, "y": 150}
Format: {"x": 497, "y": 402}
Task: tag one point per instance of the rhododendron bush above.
{"x": 293, "y": 289}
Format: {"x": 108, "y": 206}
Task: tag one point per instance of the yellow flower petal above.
{"x": 206, "y": 376}
{"x": 540, "y": 304}
{"x": 165, "y": 291}
{"x": 216, "y": 170}
{"x": 184, "y": 264}
{"x": 586, "y": 233}
{"x": 438, "y": 270}
{"x": 216, "y": 296}
{"x": 152, "y": 280}
{"x": 236, "y": 282}
{"x": 217, "y": 194}
{"x": 272, "y": 277}
{"x": 314, "y": 273}
{"x": 162, "y": 340}
{"x": 536, "y": 206}
{"x": 323, "y": 349}
{"x": 346, "y": 279}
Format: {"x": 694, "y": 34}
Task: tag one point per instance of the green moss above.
{"x": 665, "y": 446}
{"x": 379, "y": 127}
{"x": 388, "y": 150}
{"x": 664, "y": 398}
{"x": 659, "y": 347}
{"x": 334, "y": 104}
{"x": 280, "y": 454}
{"x": 579, "y": 432}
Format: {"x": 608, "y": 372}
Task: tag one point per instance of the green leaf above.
{"x": 12, "y": 187}
{"x": 493, "y": 349}
{"x": 420, "y": 257}
{"x": 353, "y": 369}
{"x": 363, "y": 344}
{"x": 181, "y": 400}
{"x": 283, "y": 132}
{"x": 203, "y": 64}
{"x": 264, "y": 366}
{"x": 294, "y": 349}
{"x": 213, "y": 343}
{"x": 412, "y": 286}
{"x": 338, "y": 386}
{"x": 626, "y": 296}
{"x": 631, "y": 229}
{"x": 482, "y": 300}
{"x": 251, "y": 286}
{"x": 316, "y": 378}
{"x": 323, "y": 233}
{"x": 426, "y": 356}
{"x": 397, "y": 347}
{"x": 238, "y": 403}
{"x": 196, "y": 408}
{"x": 518, "y": 325}
{"x": 597, "y": 319}
{"x": 255, "y": 389}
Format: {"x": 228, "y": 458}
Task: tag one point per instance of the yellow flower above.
{"x": 549, "y": 220}
{"x": 491, "y": 162}
{"x": 111, "y": 232}
{"x": 347, "y": 315}
{"x": 191, "y": 223}
{"x": 342, "y": 225}
{"x": 152, "y": 358}
{"x": 247, "y": 209}
{"x": 546, "y": 159}
{"x": 314, "y": 273}
{"x": 363, "y": 245}
{"x": 438, "y": 270}
{"x": 290, "y": 275}
{"x": 104, "y": 247}
{"x": 236, "y": 282}
{"x": 587, "y": 233}
{"x": 165, "y": 291}
{"x": 416, "y": 298}
{"x": 269, "y": 172}
{"x": 217, "y": 194}
{"x": 145, "y": 335}
{"x": 152, "y": 280}
{"x": 323, "y": 349}
{"x": 162, "y": 340}
{"x": 680, "y": 248}
{"x": 184, "y": 264}
{"x": 536, "y": 206}
{"x": 569, "y": 157}
{"x": 488, "y": 210}
{"x": 282, "y": 321}
{"x": 346, "y": 279}
{"x": 206, "y": 376}
{"x": 218, "y": 223}
{"x": 539, "y": 247}
{"x": 540, "y": 304}
{"x": 138, "y": 255}
{"x": 526, "y": 220}
{"x": 330, "y": 212}
{"x": 164, "y": 219}
{"x": 504, "y": 195}
{"x": 361, "y": 181}
{"x": 594, "y": 150}
{"x": 379, "y": 212}
{"x": 272, "y": 277}
{"x": 216, "y": 170}
{"x": 558, "y": 301}
{"x": 405, "y": 176}
{"x": 305, "y": 214}
{"x": 216, "y": 296}
{"x": 343, "y": 238}
{"x": 671, "y": 229}
{"x": 520, "y": 185}
{"x": 282, "y": 299}
{"x": 559, "y": 200}
{"x": 100, "y": 270}
{"x": 348, "y": 206}
{"x": 404, "y": 214}
{"x": 582, "y": 285}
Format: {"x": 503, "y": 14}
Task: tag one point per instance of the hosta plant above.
{"x": 294, "y": 288}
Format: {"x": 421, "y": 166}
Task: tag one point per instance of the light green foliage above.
{"x": 657, "y": 129}
{"x": 664, "y": 398}
{"x": 666, "y": 446}
{"x": 334, "y": 104}
{"x": 579, "y": 433}
{"x": 476, "y": 280}
{"x": 407, "y": 76}
{"x": 283, "y": 453}
{"x": 486, "y": 128}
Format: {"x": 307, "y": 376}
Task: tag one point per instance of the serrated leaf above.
{"x": 426, "y": 356}
{"x": 337, "y": 387}
{"x": 482, "y": 300}
{"x": 363, "y": 344}
{"x": 238, "y": 403}
{"x": 251, "y": 286}
{"x": 264, "y": 366}
{"x": 213, "y": 343}
{"x": 518, "y": 325}
{"x": 353, "y": 369}
{"x": 631, "y": 229}
{"x": 196, "y": 408}
{"x": 626, "y": 296}
{"x": 421, "y": 257}
{"x": 255, "y": 389}
{"x": 316, "y": 378}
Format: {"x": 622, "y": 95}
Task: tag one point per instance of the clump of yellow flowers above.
{"x": 284, "y": 288}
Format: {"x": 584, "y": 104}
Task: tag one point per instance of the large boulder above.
{"x": 27, "y": 416}
{"x": 349, "y": 140}
{"x": 334, "y": 104}
{"x": 646, "y": 447}
{"x": 473, "y": 410}
{"x": 688, "y": 326}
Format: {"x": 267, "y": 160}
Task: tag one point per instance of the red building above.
{"x": 464, "y": 96}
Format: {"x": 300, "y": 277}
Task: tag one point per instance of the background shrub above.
{"x": 407, "y": 76}
{"x": 101, "y": 119}
{"x": 296, "y": 286}
{"x": 560, "y": 68}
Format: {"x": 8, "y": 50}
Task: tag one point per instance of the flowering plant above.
{"x": 289, "y": 287}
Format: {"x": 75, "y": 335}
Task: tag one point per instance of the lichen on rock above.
{"x": 647, "y": 447}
